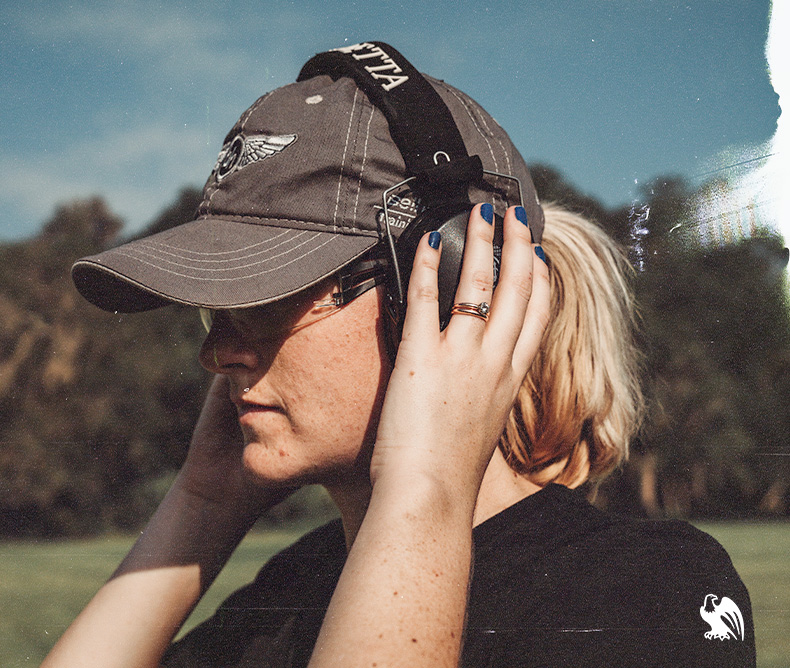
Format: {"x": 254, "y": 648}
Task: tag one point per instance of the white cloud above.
{"x": 138, "y": 170}
{"x": 190, "y": 71}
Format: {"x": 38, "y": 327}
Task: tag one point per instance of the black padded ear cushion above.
{"x": 451, "y": 221}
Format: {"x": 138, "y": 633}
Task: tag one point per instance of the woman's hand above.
{"x": 401, "y": 599}
{"x": 208, "y": 510}
{"x": 214, "y": 468}
{"x": 450, "y": 392}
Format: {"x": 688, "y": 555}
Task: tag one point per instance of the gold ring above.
{"x": 480, "y": 310}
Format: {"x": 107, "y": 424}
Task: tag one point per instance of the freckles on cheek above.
{"x": 330, "y": 375}
{"x": 347, "y": 387}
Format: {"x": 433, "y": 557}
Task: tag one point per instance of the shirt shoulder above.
{"x": 603, "y": 588}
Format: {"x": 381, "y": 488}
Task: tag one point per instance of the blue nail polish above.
{"x": 487, "y": 211}
{"x": 521, "y": 215}
{"x": 434, "y": 239}
{"x": 539, "y": 252}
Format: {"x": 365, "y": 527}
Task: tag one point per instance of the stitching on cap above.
{"x": 235, "y": 267}
{"x": 206, "y": 270}
{"x": 257, "y": 220}
{"x": 470, "y": 106}
{"x": 352, "y": 166}
{"x": 483, "y": 118}
{"x": 234, "y": 278}
{"x": 246, "y": 115}
{"x": 190, "y": 255}
{"x": 362, "y": 168}
{"x": 343, "y": 162}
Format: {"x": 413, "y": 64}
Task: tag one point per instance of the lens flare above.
{"x": 749, "y": 191}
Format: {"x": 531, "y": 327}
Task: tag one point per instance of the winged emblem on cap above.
{"x": 243, "y": 150}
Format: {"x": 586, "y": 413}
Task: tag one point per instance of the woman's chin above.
{"x": 275, "y": 465}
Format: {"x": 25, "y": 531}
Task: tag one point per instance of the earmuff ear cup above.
{"x": 451, "y": 221}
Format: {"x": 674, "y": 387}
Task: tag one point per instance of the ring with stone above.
{"x": 480, "y": 310}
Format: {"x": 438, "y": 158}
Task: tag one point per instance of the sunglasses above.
{"x": 287, "y": 315}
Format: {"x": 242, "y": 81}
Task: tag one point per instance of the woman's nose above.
{"x": 225, "y": 350}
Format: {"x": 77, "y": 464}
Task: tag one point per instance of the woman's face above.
{"x": 308, "y": 398}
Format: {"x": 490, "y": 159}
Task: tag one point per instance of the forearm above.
{"x": 134, "y": 616}
{"x": 401, "y": 599}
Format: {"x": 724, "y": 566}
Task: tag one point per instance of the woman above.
{"x": 475, "y": 435}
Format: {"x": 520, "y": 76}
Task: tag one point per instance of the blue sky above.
{"x": 131, "y": 100}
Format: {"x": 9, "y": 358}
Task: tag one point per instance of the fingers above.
{"x": 520, "y": 307}
{"x": 422, "y": 314}
{"x": 537, "y": 315}
{"x": 477, "y": 271}
{"x": 520, "y": 310}
{"x": 514, "y": 289}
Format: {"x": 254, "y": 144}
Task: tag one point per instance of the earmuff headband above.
{"x": 430, "y": 143}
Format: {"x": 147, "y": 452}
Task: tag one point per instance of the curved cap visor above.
{"x": 295, "y": 195}
{"x": 214, "y": 263}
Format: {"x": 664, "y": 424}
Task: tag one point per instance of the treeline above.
{"x": 716, "y": 334}
{"x": 96, "y": 409}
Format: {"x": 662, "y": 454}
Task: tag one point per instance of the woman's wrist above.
{"x": 432, "y": 496}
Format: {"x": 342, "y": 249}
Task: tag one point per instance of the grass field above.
{"x": 761, "y": 554}
{"x": 44, "y": 585}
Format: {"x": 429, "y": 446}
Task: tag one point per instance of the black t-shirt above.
{"x": 556, "y": 582}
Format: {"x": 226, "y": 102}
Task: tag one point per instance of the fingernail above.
{"x": 434, "y": 239}
{"x": 539, "y": 252}
{"x": 487, "y": 211}
{"x": 521, "y": 215}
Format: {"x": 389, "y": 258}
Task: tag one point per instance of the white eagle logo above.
{"x": 241, "y": 151}
{"x": 724, "y": 618}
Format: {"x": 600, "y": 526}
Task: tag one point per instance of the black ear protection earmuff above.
{"x": 438, "y": 166}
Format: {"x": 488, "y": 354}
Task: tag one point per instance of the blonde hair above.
{"x": 581, "y": 402}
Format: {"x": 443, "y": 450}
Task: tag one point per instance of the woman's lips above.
{"x": 246, "y": 407}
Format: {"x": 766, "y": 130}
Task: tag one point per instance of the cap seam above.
{"x": 362, "y": 166}
{"x": 272, "y": 222}
{"x": 354, "y": 143}
{"x": 145, "y": 259}
{"x": 163, "y": 249}
{"x": 246, "y": 115}
{"x": 481, "y": 125}
{"x": 477, "y": 127}
{"x": 343, "y": 160}
{"x": 348, "y": 216}
{"x": 472, "y": 106}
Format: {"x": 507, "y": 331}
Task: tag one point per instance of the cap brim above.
{"x": 214, "y": 263}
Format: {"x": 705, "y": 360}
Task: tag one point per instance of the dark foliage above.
{"x": 96, "y": 409}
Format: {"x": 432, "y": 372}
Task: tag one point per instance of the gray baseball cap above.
{"x": 295, "y": 195}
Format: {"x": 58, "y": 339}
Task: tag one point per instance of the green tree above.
{"x": 716, "y": 330}
{"x": 718, "y": 333}
{"x": 92, "y": 412}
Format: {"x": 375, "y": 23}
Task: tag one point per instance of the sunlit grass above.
{"x": 44, "y": 585}
{"x": 761, "y": 554}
